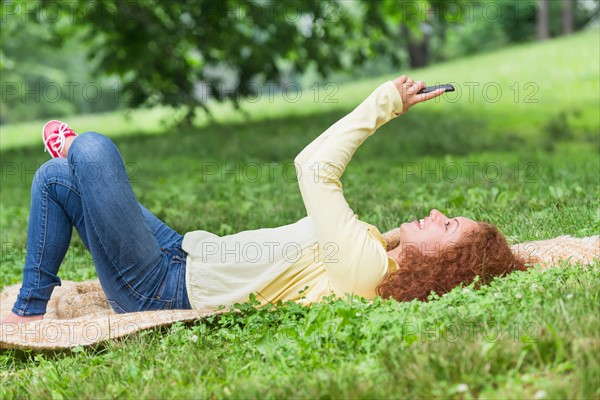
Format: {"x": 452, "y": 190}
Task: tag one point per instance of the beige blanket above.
{"x": 78, "y": 313}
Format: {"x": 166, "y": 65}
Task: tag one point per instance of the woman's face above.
{"x": 431, "y": 234}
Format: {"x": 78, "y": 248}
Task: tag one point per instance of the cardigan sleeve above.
{"x": 354, "y": 258}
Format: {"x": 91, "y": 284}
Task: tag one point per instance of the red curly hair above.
{"x": 483, "y": 252}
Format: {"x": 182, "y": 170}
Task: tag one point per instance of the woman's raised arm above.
{"x": 319, "y": 168}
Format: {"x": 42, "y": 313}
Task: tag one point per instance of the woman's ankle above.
{"x": 68, "y": 142}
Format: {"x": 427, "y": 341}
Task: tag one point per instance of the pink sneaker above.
{"x": 55, "y": 134}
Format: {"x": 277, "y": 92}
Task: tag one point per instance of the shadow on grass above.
{"x": 422, "y": 133}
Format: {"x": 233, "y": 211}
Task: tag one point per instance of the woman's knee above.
{"x": 91, "y": 147}
{"x": 52, "y": 170}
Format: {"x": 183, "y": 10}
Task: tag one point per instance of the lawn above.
{"x": 520, "y": 149}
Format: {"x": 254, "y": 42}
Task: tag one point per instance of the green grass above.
{"x": 529, "y": 334}
{"x": 531, "y": 168}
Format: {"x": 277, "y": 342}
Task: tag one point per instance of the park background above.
{"x": 209, "y": 102}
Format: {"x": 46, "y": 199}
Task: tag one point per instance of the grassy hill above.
{"x": 521, "y": 86}
{"x": 529, "y": 164}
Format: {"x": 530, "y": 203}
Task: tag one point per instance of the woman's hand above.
{"x": 408, "y": 90}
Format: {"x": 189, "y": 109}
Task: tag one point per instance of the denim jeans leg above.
{"x": 128, "y": 257}
{"x": 57, "y": 206}
{"x": 170, "y": 242}
{"x": 48, "y": 235}
{"x": 165, "y": 235}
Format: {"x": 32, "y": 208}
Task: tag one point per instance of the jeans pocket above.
{"x": 137, "y": 302}
{"x": 169, "y": 287}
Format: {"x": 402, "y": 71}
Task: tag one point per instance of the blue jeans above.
{"x": 138, "y": 258}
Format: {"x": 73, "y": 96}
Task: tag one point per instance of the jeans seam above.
{"x": 42, "y": 248}
{"x": 66, "y": 185}
{"x": 181, "y": 285}
{"x": 177, "y": 295}
{"x": 101, "y": 243}
{"x": 146, "y": 298}
{"x": 161, "y": 288}
{"x": 38, "y": 260}
{"x": 117, "y": 304}
{"x": 93, "y": 226}
{"x": 56, "y": 181}
{"x": 44, "y": 184}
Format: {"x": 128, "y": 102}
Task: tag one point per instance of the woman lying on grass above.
{"x": 143, "y": 264}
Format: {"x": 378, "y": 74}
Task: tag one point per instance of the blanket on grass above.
{"x": 79, "y": 315}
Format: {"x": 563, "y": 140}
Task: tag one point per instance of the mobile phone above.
{"x": 447, "y": 86}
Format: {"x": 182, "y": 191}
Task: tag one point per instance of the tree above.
{"x": 41, "y": 79}
{"x": 543, "y": 23}
{"x": 181, "y": 53}
{"x": 432, "y": 15}
{"x": 567, "y": 16}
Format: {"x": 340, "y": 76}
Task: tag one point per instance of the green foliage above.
{"x": 473, "y": 27}
{"x": 182, "y": 53}
{"x": 557, "y": 128}
{"x": 43, "y": 79}
{"x": 473, "y": 37}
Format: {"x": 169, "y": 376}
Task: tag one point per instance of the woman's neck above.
{"x": 395, "y": 253}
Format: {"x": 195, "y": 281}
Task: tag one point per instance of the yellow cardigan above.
{"x": 328, "y": 252}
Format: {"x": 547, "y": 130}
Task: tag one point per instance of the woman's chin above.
{"x": 404, "y": 230}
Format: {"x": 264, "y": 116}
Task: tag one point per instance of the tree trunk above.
{"x": 567, "y": 16}
{"x": 418, "y": 49}
{"x": 543, "y": 20}
{"x": 418, "y": 52}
